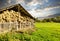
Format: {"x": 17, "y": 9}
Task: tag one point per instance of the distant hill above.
{"x": 54, "y": 15}
{"x": 50, "y": 16}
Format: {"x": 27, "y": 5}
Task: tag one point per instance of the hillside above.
{"x": 54, "y": 15}
{"x": 50, "y": 16}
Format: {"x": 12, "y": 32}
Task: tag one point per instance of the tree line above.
{"x": 55, "y": 19}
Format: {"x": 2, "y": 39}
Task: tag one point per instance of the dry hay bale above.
{"x": 11, "y": 16}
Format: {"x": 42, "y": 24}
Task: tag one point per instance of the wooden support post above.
{"x": 20, "y": 25}
{"x": 17, "y": 26}
{"x": 18, "y": 8}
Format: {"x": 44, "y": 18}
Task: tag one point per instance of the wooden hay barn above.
{"x": 15, "y": 17}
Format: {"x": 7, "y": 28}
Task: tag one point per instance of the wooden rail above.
{"x": 8, "y": 26}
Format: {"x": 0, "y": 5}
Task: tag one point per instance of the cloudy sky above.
{"x": 39, "y": 8}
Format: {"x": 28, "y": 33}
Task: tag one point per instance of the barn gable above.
{"x": 17, "y": 8}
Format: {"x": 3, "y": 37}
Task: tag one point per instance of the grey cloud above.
{"x": 53, "y": 5}
{"x": 12, "y": 1}
{"x": 27, "y": 1}
{"x": 38, "y": 1}
{"x": 6, "y": 3}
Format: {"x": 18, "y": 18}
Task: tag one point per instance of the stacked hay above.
{"x": 11, "y": 16}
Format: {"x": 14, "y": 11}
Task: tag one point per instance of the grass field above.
{"x": 44, "y": 32}
{"x": 48, "y": 31}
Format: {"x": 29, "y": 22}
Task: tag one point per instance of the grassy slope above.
{"x": 49, "y": 31}
{"x": 44, "y": 32}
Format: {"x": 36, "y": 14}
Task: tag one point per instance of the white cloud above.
{"x": 31, "y": 6}
{"x": 43, "y": 12}
{"x": 39, "y": 13}
{"x": 9, "y": 1}
{"x": 46, "y": 0}
{"x": 50, "y": 8}
{"x": 20, "y": 1}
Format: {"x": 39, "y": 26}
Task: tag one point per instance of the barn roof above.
{"x": 17, "y": 7}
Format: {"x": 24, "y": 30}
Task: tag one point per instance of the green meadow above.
{"x": 48, "y": 31}
{"x": 42, "y": 32}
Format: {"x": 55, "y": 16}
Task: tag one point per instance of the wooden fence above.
{"x": 8, "y": 26}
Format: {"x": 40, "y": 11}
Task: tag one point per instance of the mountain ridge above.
{"x": 50, "y": 16}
